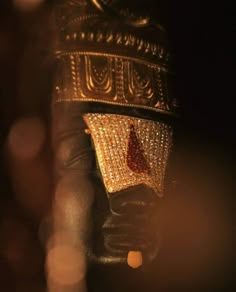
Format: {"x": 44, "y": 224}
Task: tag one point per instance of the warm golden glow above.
{"x": 111, "y": 137}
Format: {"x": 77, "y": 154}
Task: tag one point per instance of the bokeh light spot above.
{"x": 26, "y": 138}
{"x": 65, "y": 265}
{"x": 27, "y": 5}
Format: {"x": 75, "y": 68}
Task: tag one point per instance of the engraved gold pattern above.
{"x": 114, "y": 80}
{"x": 110, "y": 134}
{"x": 118, "y": 40}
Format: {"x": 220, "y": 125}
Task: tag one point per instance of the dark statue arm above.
{"x": 113, "y": 114}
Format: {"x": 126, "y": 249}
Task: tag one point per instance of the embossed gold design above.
{"x": 110, "y": 134}
{"x": 98, "y": 75}
{"x": 129, "y": 40}
{"x": 113, "y": 57}
{"x": 114, "y": 80}
{"x": 140, "y": 82}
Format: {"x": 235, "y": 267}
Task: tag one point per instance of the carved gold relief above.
{"x": 140, "y": 84}
{"x": 114, "y": 80}
{"x": 98, "y": 74}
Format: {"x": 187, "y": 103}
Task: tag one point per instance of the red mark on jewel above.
{"x": 135, "y": 154}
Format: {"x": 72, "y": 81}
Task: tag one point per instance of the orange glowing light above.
{"x": 135, "y": 259}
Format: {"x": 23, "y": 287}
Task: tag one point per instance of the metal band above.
{"x": 107, "y": 56}
{"x": 111, "y": 79}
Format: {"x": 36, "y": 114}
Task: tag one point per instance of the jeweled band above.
{"x": 111, "y": 57}
{"x": 130, "y": 151}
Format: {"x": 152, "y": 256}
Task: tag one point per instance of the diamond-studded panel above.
{"x": 130, "y": 151}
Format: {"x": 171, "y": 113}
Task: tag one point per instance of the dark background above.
{"x": 201, "y": 34}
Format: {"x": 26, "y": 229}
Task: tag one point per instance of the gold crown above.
{"x": 108, "y": 55}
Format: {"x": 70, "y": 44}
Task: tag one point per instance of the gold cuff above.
{"x": 130, "y": 151}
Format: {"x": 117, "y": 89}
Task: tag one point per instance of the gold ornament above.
{"x": 130, "y": 151}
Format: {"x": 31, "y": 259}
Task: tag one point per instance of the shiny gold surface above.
{"x": 107, "y": 54}
{"x": 111, "y": 134}
{"x": 112, "y": 79}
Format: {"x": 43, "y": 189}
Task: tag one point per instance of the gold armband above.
{"x": 130, "y": 151}
{"x": 116, "y": 59}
